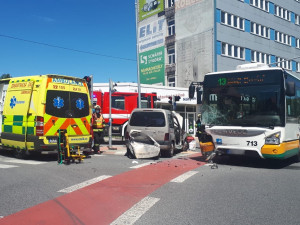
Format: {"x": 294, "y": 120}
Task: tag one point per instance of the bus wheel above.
{"x": 19, "y": 153}
{"x": 297, "y": 157}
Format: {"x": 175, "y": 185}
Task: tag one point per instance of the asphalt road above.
{"x": 241, "y": 191}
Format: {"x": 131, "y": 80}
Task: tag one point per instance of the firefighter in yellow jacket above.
{"x": 98, "y": 128}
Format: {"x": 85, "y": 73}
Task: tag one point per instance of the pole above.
{"x": 110, "y": 122}
{"x": 91, "y": 92}
{"x": 137, "y": 55}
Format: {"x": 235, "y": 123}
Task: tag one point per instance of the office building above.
{"x": 179, "y": 41}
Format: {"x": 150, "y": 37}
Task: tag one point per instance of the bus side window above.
{"x": 293, "y": 106}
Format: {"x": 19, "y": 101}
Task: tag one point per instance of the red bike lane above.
{"x": 105, "y": 201}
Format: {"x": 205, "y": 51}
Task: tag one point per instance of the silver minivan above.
{"x": 164, "y": 126}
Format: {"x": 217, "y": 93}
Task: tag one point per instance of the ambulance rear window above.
{"x": 66, "y": 104}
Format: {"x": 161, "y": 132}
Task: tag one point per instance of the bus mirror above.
{"x": 154, "y": 98}
{"x": 290, "y": 89}
{"x": 191, "y": 91}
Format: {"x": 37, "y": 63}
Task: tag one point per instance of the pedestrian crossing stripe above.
{"x": 4, "y": 166}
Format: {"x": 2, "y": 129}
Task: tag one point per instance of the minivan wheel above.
{"x": 130, "y": 155}
{"x": 171, "y": 151}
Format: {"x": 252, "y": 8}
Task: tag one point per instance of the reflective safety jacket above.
{"x": 98, "y": 122}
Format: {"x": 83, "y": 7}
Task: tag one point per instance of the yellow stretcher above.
{"x": 66, "y": 154}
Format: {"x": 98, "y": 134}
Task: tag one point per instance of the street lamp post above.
{"x": 110, "y": 120}
{"x": 137, "y": 55}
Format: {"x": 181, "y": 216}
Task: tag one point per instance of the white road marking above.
{"x": 97, "y": 155}
{"x": 1, "y": 217}
{"x": 3, "y": 166}
{"x": 141, "y": 165}
{"x": 121, "y": 152}
{"x": 20, "y": 161}
{"x": 136, "y": 211}
{"x": 184, "y": 177}
{"x": 84, "y": 184}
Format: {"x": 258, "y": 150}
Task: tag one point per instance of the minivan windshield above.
{"x": 147, "y": 119}
{"x": 66, "y": 104}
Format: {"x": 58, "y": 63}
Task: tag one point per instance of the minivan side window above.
{"x": 148, "y": 119}
{"x": 171, "y": 122}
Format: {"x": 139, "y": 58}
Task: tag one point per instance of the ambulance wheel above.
{"x": 19, "y": 153}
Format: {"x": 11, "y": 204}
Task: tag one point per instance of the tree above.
{"x": 5, "y": 75}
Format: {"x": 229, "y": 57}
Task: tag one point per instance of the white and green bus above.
{"x": 253, "y": 111}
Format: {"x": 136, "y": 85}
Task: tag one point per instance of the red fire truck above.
{"x": 121, "y": 107}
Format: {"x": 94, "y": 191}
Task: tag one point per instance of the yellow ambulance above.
{"x": 34, "y": 108}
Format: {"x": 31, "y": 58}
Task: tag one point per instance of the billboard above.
{"x": 151, "y": 34}
{"x": 149, "y": 8}
{"x": 152, "y": 66}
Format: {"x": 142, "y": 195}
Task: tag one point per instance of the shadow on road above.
{"x": 243, "y": 161}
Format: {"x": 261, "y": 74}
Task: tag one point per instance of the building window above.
{"x": 232, "y": 20}
{"x": 261, "y": 4}
{"x": 283, "y": 63}
{"x": 297, "y": 19}
{"x": 233, "y": 51}
{"x": 171, "y": 81}
{"x": 298, "y": 67}
{"x": 260, "y": 30}
{"x": 297, "y": 43}
{"x": 260, "y": 57}
{"x": 282, "y": 38}
{"x": 171, "y": 3}
{"x": 282, "y": 13}
{"x": 171, "y": 27}
{"x": 171, "y": 55}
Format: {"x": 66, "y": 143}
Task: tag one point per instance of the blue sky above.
{"x": 97, "y": 26}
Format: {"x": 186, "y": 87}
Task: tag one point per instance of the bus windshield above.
{"x": 260, "y": 105}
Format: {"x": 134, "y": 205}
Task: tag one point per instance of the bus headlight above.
{"x": 273, "y": 139}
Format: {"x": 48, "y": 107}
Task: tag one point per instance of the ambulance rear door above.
{"x": 67, "y": 108}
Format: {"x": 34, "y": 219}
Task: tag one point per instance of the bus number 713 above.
{"x": 251, "y": 143}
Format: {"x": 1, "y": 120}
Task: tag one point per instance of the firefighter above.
{"x": 198, "y": 127}
{"x": 98, "y": 129}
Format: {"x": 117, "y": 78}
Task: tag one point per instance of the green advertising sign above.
{"x": 152, "y": 66}
{"x": 149, "y": 8}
